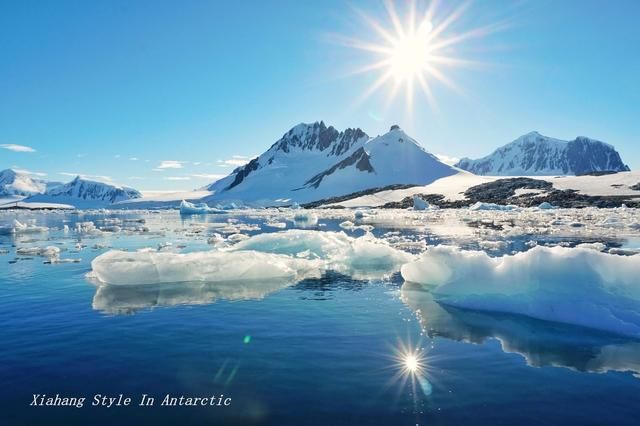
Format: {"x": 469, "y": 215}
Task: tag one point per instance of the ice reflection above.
{"x": 130, "y": 299}
{"x": 541, "y": 343}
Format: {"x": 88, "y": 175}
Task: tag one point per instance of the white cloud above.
{"x": 157, "y": 170}
{"x": 136, "y": 178}
{"x": 178, "y": 178}
{"x": 29, "y": 172}
{"x": 100, "y": 178}
{"x": 17, "y": 148}
{"x": 447, "y": 159}
{"x": 208, "y": 176}
{"x": 170, "y": 164}
{"x": 133, "y": 158}
{"x": 234, "y": 161}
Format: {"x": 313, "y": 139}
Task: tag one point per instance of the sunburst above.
{"x": 413, "y": 52}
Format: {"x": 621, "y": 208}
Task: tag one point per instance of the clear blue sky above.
{"x": 89, "y": 85}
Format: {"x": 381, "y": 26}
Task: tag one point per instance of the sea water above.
{"x": 328, "y": 350}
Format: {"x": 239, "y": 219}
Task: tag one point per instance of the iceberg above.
{"x": 21, "y": 228}
{"x": 578, "y": 286}
{"x": 360, "y": 258}
{"x": 290, "y": 256}
{"x": 199, "y": 208}
{"x": 491, "y": 206}
{"x": 420, "y": 204}
{"x": 117, "y": 267}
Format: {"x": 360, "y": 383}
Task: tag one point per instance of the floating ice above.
{"x": 358, "y": 257}
{"x": 575, "y": 286}
{"x": 21, "y": 228}
{"x": 546, "y": 206}
{"x": 290, "y": 255}
{"x": 199, "y": 208}
{"x": 419, "y": 203}
{"x": 492, "y": 206}
{"x": 148, "y": 267}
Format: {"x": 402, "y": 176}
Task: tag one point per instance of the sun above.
{"x": 410, "y": 54}
{"x": 413, "y": 52}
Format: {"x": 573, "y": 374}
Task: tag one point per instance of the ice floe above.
{"x": 570, "y": 285}
{"x": 198, "y": 208}
{"x": 290, "y": 255}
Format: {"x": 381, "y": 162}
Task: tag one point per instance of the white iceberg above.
{"x": 151, "y": 267}
{"x": 21, "y": 228}
{"x": 199, "y": 208}
{"x": 290, "y": 255}
{"x": 575, "y": 286}
{"x": 491, "y": 206}
{"x": 420, "y": 204}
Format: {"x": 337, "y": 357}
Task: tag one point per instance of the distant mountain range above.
{"x": 16, "y": 183}
{"x": 536, "y": 155}
{"x": 82, "y": 192}
{"x": 313, "y": 161}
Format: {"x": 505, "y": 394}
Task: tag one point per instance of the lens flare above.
{"x": 414, "y": 51}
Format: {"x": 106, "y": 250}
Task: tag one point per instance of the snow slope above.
{"x": 84, "y": 193}
{"x": 536, "y": 155}
{"x": 453, "y": 187}
{"x": 312, "y": 161}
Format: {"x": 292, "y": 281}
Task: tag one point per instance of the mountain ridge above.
{"x": 534, "y": 154}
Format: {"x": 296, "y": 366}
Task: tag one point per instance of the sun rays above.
{"x": 411, "y": 52}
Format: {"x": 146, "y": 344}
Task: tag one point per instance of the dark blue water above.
{"x": 323, "y": 351}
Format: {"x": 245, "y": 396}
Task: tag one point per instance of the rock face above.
{"x": 86, "y": 193}
{"x": 536, "y": 155}
{"x": 313, "y": 161}
{"x": 15, "y": 183}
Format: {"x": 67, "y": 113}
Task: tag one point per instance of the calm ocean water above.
{"x": 322, "y": 351}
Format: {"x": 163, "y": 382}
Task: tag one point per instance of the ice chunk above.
{"x": 22, "y": 228}
{"x": 358, "y": 257}
{"x": 290, "y": 255}
{"x": 546, "y": 206}
{"x": 491, "y": 206}
{"x": 199, "y": 208}
{"x": 419, "y": 203}
{"x": 148, "y": 267}
{"x": 570, "y": 285}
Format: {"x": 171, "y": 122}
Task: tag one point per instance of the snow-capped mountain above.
{"x": 82, "y": 192}
{"x": 16, "y": 183}
{"x": 536, "y": 155}
{"x": 313, "y": 161}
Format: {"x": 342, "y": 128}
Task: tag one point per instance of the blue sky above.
{"x": 166, "y": 94}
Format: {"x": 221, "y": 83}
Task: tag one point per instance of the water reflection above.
{"x": 115, "y": 299}
{"x": 541, "y": 343}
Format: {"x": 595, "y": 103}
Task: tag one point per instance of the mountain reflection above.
{"x": 541, "y": 343}
{"x": 116, "y": 299}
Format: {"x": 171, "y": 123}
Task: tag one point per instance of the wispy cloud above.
{"x": 29, "y": 172}
{"x": 208, "y": 176}
{"x": 178, "y": 178}
{"x": 107, "y": 179}
{"x": 133, "y": 159}
{"x": 17, "y": 148}
{"x": 447, "y": 159}
{"x": 234, "y": 161}
{"x": 170, "y": 164}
